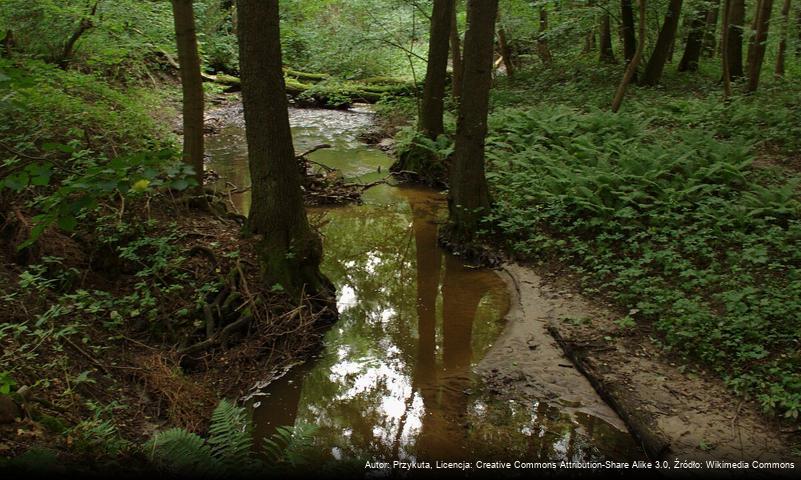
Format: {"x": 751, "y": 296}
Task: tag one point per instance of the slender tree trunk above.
{"x": 798, "y": 33}
{"x": 631, "y": 69}
{"x": 783, "y": 40}
{"x": 456, "y": 56}
{"x": 711, "y": 29}
{"x": 734, "y": 38}
{"x": 191, "y": 84}
{"x": 605, "y": 37}
{"x": 506, "y": 52}
{"x": 667, "y": 34}
{"x": 589, "y": 42}
{"x": 725, "y": 45}
{"x": 695, "y": 37}
{"x": 85, "y": 25}
{"x": 8, "y": 43}
{"x": 754, "y": 25}
{"x": 627, "y": 27}
{"x": 542, "y": 44}
{"x": 760, "y": 43}
{"x": 434, "y": 88}
{"x": 468, "y": 197}
{"x": 290, "y": 250}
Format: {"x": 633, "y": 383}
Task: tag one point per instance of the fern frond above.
{"x": 230, "y": 436}
{"x": 180, "y": 451}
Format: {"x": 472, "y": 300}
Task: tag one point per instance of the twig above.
{"x": 313, "y": 149}
{"x": 88, "y": 356}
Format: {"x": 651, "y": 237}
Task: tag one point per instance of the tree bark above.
{"x": 760, "y": 43}
{"x": 542, "y": 44}
{"x": 8, "y": 43}
{"x": 710, "y": 29}
{"x": 798, "y": 33}
{"x": 290, "y": 251}
{"x": 605, "y": 39}
{"x": 695, "y": 37}
{"x": 667, "y": 34}
{"x": 734, "y": 38}
{"x": 779, "y": 72}
{"x": 468, "y": 196}
{"x": 456, "y": 56}
{"x": 627, "y": 27}
{"x": 434, "y": 88}
{"x": 628, "y": 33}
{"x": 631, "y": 69}
{"x": 506, "y": 53}
{"x": 69, "y": 47}
{"x": 191, "y": 85}
{"x": 724, "y": 54}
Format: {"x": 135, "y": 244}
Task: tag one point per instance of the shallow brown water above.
{"x": 395, "y": 379}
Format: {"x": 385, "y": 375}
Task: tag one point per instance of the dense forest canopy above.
{"x": 646, "y": 153}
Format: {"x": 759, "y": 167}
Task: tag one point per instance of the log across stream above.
{"x": 396, "y": 377}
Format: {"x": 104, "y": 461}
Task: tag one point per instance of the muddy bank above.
{"x": 674, "y": 414}
{"x": 526, "y": 362}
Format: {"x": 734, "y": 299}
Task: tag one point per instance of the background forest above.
{"x": 651, "y": 149}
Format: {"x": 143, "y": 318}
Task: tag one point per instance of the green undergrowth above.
{"x": 662, "y": 208}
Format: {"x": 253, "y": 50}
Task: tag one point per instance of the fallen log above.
{"x": 334, "y": 95}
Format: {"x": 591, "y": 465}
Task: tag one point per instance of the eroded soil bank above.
{"x": 674, "y": 414}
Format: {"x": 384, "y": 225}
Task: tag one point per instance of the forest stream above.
{"x": 395, "y": 376}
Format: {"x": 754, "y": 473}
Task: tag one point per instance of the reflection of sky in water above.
{"x": 394, "y": 378}
{"x": 374, "y": 392}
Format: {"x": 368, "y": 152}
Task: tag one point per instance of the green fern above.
{"x": 178, "y": 450}
{"x": 229, "y": 446}
{"x": 230, "y": 435}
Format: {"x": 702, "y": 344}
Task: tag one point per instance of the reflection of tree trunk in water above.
{"x": 460, "y": 299}
{"x": 429, "y": 259}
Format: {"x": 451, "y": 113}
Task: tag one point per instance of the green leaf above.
{"x": 67, "y": 223}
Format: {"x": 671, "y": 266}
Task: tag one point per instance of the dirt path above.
{"x": 675, "y": 415}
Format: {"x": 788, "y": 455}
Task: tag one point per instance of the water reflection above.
{"x": 394, "y": 380}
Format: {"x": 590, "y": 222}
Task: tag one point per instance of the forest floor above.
{"x": 116, "y": 328}
{"x": 96, "y": 387}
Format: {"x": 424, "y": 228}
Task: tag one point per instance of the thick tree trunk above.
{"x": 290, "y": 250}
{"x": 779, "y": 72}
{"x": 191, "y": 84}
{"x": 468, "y": 197}
{"x": 631, "y": 69}
{"x": 605, "y": 38}
{"x": 542, "y": 44}
{"x": 734, "y": 38}
{"x": 695, "y": 37}
{"x": 760, "y": 43}
{"x": 627, "y": 29}
{"x": 456, "y": 56}
{"x": 711, "y": 29}
{"x": 667, "y": 34}
{"x": 434, "y": 88}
